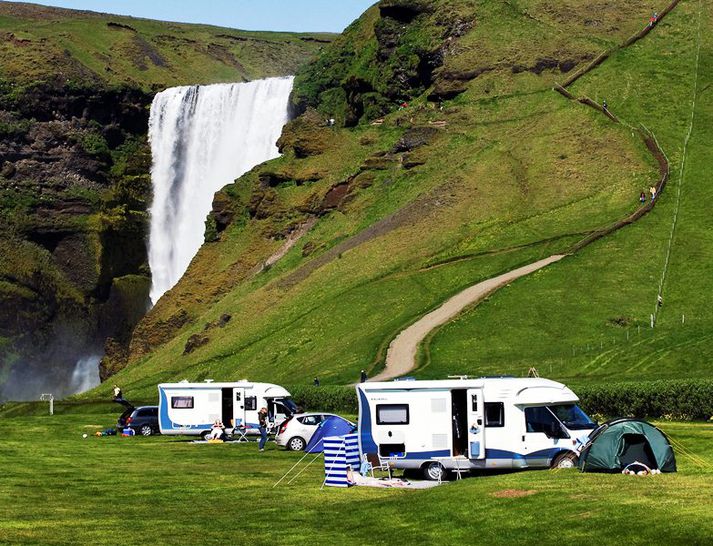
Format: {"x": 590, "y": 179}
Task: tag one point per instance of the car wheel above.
{"x": 296, "y": 444}
{"x": 565, "y": 460}
{"x": 204, "y": 434}
{"x": 434, "y": 471}
{"x": 146, "y": 430}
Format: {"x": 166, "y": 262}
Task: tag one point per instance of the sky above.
{"x": 287, "y": 15}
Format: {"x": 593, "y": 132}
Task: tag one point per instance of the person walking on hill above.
{"x": 363, "y": 377}
{"x": 262, "y": 427}
{"x": 117, "y": 392}
{"x": 653, "y": 19}
{"x": 316, "y": 382}
{"x": 605, "y": 106}
{"x": 642, "y": 198}
{"x": 652, "y": 191}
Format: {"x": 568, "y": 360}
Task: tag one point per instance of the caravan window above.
{"x": 182, "y": 402}
{"x": 494, "y": 414}
{"x": 250, "y": 403}
{"x": 392, "y": 414}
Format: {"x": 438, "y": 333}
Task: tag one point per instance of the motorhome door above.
{"x": 476, "y": 424}
{"x": 239, "y": 407}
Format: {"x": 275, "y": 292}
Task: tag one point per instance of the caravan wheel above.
{"x": 565, "y": 460}
{"x": 434, "y": 471}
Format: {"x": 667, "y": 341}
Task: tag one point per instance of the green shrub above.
{"x": 337, "y": 399}
{"x": 680, "y": 400}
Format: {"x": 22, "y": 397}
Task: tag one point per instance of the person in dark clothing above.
{"x": 363, "y": 377}
{"x": 642, "y": 198}
{"x": 604, "y": 104}
{"x": 262, "y": 422}
{"x": 316, "y": 382}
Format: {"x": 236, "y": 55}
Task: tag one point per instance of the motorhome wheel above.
{"x": 204, "y": 434}
{"x": 146, "y": 430}
{"x": 565, "y": 460}
{"x": 434, "y": 471}
{"x": 296, "y": 444}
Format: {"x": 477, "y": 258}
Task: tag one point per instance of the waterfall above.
{"x": 85, "y": 375}
{"x": 202, "y": 138}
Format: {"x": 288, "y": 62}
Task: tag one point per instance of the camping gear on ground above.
{"x": 353, "y": 456}
{"x": 623, "y": 443}
{"x": 332, "y": 426}
{"x": 340, "y": 455}
{"x": 128, "y": 432}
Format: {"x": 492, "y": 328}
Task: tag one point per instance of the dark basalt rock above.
{"x": 415, "y": 138}
{"x": 194, "y": 342}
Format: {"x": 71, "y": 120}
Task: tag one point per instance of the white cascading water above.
{"x": 85, "y": 375}
{"x": 202, "y": 138}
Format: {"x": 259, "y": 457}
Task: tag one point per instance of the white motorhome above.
{"x": 192, "y": 408}
{"x": 471, "y": 424}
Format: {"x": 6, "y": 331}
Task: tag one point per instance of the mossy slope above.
{"x": 485, "y": 169}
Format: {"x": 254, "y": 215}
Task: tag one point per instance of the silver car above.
{"x": 296, "y": 432}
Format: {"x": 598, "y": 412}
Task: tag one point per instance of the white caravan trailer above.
{"x": 192, "y": 408}
{"x": 471, "y": 424}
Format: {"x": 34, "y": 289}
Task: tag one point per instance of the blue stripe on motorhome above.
{"x": 426, "y": 454}
{"x": 167, "y": 424}
{"x": 504, "y": 454}
{"x": 366, "y": 441}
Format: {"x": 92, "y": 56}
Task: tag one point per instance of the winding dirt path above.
{"x": 401, "y": 356}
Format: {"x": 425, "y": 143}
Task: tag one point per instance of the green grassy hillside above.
{"x": 80, "y": 48}
{"x": 484, "y": 170}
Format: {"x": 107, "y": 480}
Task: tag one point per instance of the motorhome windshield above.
{"x": 572, "y": 416}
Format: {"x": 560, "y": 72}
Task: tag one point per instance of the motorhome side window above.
{"x": 392, "y": 414}
{"x": 250, "y": 403}
{"x": 539, "y": 419}
{"x": 182, "y": 402}
{"x": 494, "y": 414}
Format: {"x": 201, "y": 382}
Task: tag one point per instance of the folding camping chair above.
{"x": 377, "y": 462}
{"x": 240, "y": 433}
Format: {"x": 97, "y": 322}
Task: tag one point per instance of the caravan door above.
{"x": 476, "y": 424}
{"x": 238, "y": 407}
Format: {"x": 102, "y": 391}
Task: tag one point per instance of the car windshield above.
{"x": 572, "y": 416}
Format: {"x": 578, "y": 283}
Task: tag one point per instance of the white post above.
{"x": 652, "y": 320}
{"x": 49, "y": 398}
{"x": 683, "y": 319}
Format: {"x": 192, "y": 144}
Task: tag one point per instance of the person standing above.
{"x": 316, "y": 382}
{"x": 262, "y": 426}
{"x": 652, "y": 191}
{"x": 363, "y": 377}
{"x": 117, "y": 392}
{"x": 642, "y": 198}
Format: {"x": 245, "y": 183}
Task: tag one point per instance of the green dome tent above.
{"x": 621, "y": 442}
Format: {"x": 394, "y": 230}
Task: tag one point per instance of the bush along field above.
{"x": 164, "y": 490}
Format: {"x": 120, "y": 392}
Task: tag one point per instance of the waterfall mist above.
{"x": 202, "y": 138}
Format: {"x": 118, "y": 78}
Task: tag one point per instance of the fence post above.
{"x": 652, "y": 320}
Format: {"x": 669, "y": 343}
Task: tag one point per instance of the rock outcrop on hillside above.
{"x": 74, "y": 186}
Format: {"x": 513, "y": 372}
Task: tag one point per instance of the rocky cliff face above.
{"x": 74, "y": 185}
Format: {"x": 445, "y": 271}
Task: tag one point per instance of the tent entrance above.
{"x": 635, "y": 447}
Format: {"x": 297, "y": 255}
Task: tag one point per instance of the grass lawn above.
{"x": 58, "y": 488}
